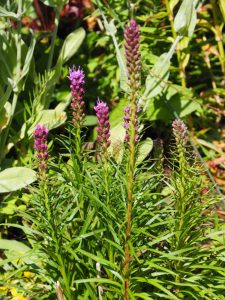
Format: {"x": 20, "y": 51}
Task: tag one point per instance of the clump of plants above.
{"x": 107, "y": 222}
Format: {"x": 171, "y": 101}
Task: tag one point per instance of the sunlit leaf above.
{"x": 13, "y": 179}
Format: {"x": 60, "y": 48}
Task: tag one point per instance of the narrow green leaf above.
{"x": 97, "y": 258}
{"x": 5, "y": 97}
{"x": 28, "y": 59}
{"x": 98, "y": 280}
{"x": 7, "y": 14}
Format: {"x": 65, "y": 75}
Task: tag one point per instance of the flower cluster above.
{"x": 76, "y": 78}
{"x": 132, "y": 53}
{"x": 180, "y": 132}
{"x": 103, "y": 129}
{"x": 40, "y": 145}
{"x": 127, "y": 121}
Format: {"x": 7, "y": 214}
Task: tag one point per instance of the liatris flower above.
{"x": 132, "y": 53}
{"x": 76, "y": 78}
{"x": 127, "y": 121}
{"x": 180, "y": 132}
{"x": 102, "y": 113}
{"x": 40, "y": 145}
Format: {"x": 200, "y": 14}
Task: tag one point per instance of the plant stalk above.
{"x": 219, "y": 36}
{"x": 178, "y": 51}
{"x": 130, "y": 187}
{"x": 54, "y": 35}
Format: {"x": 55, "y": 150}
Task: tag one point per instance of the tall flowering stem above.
{"x": 103, "y": 129}
{"x": 133, "y": 62}
{"x": 180, "y": 133}
{"x": 76, "y": 77}
{"x": 40, "y": 145}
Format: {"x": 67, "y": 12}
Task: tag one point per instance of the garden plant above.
{"x": 111, "y": 181}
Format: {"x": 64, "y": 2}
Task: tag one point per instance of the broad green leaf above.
{"x": 144, "y": 149}
{"x": 117, "y": 134}
{"x": 70, "y": 46}
{"x": 13, "y": 244}
{"x": 28, "y": 59}
{"x": 72, "y": 43}
{"x": 50, "y": 117}
{"x": 178, "y": 102}
{"x": 90, "y": 120}
{"x": 13, "y": 179}
{"x": 186, "y": 18}
{"x": 157, "y": 79}
{"x": 117, "y": 114}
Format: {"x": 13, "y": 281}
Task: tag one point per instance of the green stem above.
{"x": 178, "y": 51}
{"x": 54, "y": 35}
{"x": 130, "y": 187}
{"x": 219, "y": 36}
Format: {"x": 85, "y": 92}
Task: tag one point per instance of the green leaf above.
{"x": 173, "y": 3}
{"x": 98, "y": 280}
{"x": 13, "y": 244}
{"x": 117, "y": 134}
{"x": 5, "y": 97}
{"x": 157, "y": 79}
{"x": 7, "y": 14}
{"x": 28, "y": 59}
{"x": 70, "y": 46}
{"x": 157, "y": 284}
{"x": 4, "y": 116}
{"x": 90, "y": 120}
{"x": 144, "y": 149}
{"x": 186, "y": 18}
{"x": 96, "y": 258}
{"x": 13, "y": 179}
{"x": 178, "y": 102}
{"x": 52, "y": 118}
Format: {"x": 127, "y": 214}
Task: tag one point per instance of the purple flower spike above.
{"x": 76, "y": 78}
{"x": 40, "y": 145}
{"x": 180, "y": 132}
{"x": 132, "y": 53}
{"x": 103, "y": 129}
{"x": 127, "y": 123}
